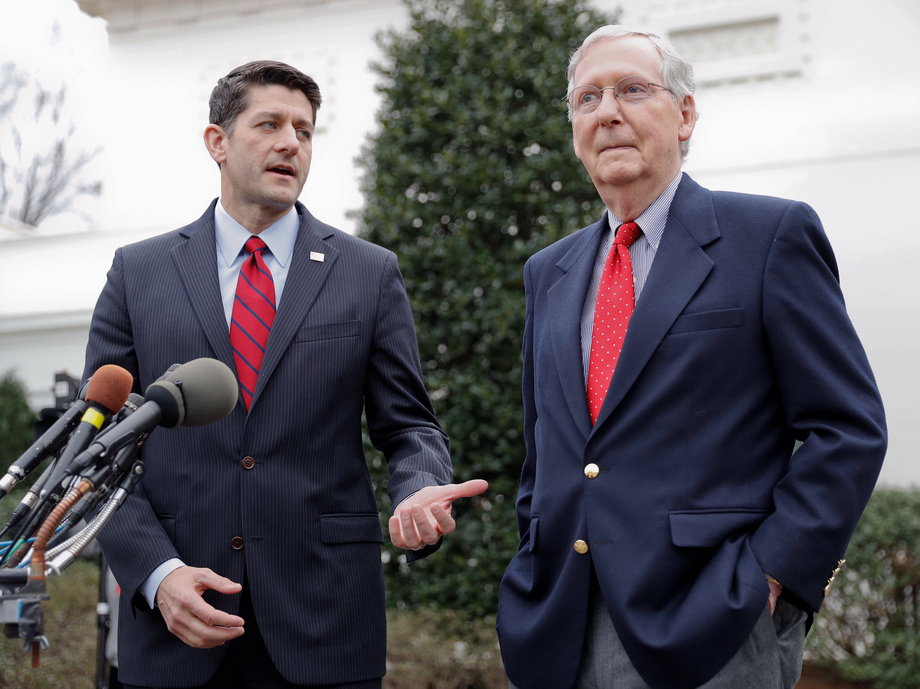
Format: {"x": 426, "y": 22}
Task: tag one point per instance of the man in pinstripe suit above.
{"x": 249, "y": 556}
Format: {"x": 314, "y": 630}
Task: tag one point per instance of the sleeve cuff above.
{"x": 152, "y": 583}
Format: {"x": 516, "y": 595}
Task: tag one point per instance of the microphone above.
{"x": 48, "y": 444}
{"x": 102, "y": 391}
{"x": 196, "y": 393}
{"x": 104, "y": 477}
{"x": 106, "y": 393}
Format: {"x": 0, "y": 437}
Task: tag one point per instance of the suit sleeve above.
{"x": 528, "y": 471}
{"x": 133, "y": 540}
{"x": 831, "y": 404}
{"x": 400, "y": 418}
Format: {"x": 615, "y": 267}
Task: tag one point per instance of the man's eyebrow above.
{"x": 270, "y": 115}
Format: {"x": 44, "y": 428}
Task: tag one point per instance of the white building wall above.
{"x": 816, "y": 100}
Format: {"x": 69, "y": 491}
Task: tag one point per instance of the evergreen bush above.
{"x": 17, "y": 431}
{"x": 469, "y": 172}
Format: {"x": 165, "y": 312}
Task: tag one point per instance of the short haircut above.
{"x": 676, "y": 72}
{"x": 228, "y": 99}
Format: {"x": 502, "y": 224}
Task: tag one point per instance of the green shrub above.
{"x": 869, "y": 627}
{"x": 17, "y": 430}
{"x": 17, "y": 421}
{"x": 470, "y": 172}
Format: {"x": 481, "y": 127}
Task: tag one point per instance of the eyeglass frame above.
{"x": 614, "y": 88}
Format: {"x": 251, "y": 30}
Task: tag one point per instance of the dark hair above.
{"x": 228, "y": 99}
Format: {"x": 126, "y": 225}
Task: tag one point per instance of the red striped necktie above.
{"x": 253, "y": 315}
{"x": 616, "y": 299}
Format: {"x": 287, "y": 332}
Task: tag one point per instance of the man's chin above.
{"x": 616, "y": 174}
{"x": 282, "y": 199}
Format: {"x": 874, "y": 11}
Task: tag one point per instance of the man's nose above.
{"x": 608, "y": 110}
{"x": 287, "y": 139}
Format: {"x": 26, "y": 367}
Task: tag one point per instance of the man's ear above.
{"x": 215, "y": 140}
{"x": 688, "y": 116}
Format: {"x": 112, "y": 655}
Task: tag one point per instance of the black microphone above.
{"x": 106, "y": 393}
{"x": 48, "y": 444}
{"x": 132, "y": 404}
{"x": 196, "y": 393}
{"x": 102, "y": 478}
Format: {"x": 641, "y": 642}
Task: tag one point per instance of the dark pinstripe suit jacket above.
{"x": 343, "y": 342}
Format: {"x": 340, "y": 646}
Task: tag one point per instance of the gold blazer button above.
{"x": 592, "y": 470}
{"x": 580, "y": 547}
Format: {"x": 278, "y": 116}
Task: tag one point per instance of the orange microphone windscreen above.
{"x": 109, "y": 387}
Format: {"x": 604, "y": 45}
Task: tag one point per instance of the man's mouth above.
{"x": 282, "y": 170}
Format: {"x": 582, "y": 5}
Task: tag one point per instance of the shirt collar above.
{"x": 655, "y": 217}
{"x": 279, "y": 237}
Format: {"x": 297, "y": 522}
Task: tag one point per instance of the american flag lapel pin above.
{"x": 317, "y": 256}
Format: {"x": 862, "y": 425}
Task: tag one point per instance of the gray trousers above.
{"x": 770, "y": 658}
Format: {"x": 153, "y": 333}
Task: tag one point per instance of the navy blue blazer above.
{"x": 739, "y": 346}
{"x": 343, "y": 342}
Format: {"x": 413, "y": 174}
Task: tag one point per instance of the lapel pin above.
{"x": 317, "y": 256}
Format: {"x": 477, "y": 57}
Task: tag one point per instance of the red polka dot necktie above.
{"x": 252, "y": 318}
{"x": 616, "y": 299}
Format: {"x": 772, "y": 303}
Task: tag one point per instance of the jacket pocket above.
{"x": 712, "y": 528}
{"x": 350, "y": 528}
{"x": 708, "y": 320}
{"x": 328, "y": 331}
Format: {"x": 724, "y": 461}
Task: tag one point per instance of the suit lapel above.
{"x": 680, "y": 267}
{"x": 305, "y": 278}
{"x": 566, "y": 299}
{"x": 196, "y": 260}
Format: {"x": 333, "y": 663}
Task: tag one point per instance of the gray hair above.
{"x": 676, "y": 72}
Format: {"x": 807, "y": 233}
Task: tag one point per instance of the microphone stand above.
{"x": 22, "y": 590}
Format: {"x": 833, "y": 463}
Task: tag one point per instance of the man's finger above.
{"x": 446, "y": 523}
{"x": 212, "y": 580}
{"x": 424, "y": 526}
{"x": 467, "y": 489}
{"x": 402, "y": 531}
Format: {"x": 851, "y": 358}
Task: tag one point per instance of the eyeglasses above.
{"x": 586, "y": 99}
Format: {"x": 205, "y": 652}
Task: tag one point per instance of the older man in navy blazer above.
{"x": 249, "y": 555}
{"x": 683, "y": 536}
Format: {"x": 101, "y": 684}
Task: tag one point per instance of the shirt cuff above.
{"x": 152, "y": 583}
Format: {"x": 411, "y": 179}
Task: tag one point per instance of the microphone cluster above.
{"x": 94, "y": 463}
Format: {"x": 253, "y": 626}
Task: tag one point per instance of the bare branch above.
{"x": 40, "y": 178}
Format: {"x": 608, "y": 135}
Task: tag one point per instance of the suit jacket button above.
{"x": 592, "y": 470}
{"x": 580, "y": 547}
{"x": 236, "y": 542}
{"x": 248, "y": 462}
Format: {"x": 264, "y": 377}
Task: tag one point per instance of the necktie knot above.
{"x": 626, "y": 234}
{"x": 254, "y": 244}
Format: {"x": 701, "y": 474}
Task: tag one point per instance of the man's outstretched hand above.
{"x": 425, "y": 516}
